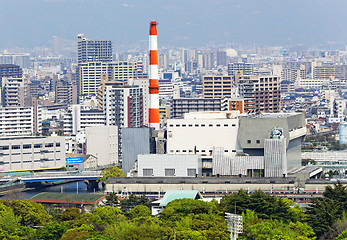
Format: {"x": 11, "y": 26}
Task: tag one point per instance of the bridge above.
{"x": 42, "y": 178}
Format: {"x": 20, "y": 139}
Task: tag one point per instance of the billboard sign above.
{"x": 74, "y": 160}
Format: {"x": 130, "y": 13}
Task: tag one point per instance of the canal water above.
{"x": 71, "y": 187}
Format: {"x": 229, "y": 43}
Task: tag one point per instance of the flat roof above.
{"x": 53, "y": 197}
{"x": 200, "y": 180}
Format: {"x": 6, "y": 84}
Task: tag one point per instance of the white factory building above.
{"x": 266, "y": 145}
{"x": 28, "y": 153}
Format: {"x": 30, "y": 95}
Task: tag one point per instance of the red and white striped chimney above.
{"x": 153, "y": 77}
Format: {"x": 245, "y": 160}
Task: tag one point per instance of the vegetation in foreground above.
{"x": 265, "y": 217}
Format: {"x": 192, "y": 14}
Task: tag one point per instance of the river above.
{"x": 71, "y": 187}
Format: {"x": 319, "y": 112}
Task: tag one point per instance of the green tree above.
{"x": 133, "y": 201}
{"x": 273, "y": 229}
{"x": 265, "y": 205}
{"x": 139, "y": 211}
{"x": 342, "y": 236}
{"x": 107, "y": 214}
{"x": 70, "y": 214}
{"x": 51, "y": 231}
{"x": 112, "y": 200}
{"x": 80, "y": 233}
{"x": 28, "y": 212}
{"x": 112, "y": 171}
{"x": 8, "y": 223}
{"x": 322, "y": 213}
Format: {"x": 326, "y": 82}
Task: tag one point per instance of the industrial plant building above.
{"x": 267, "y": 145}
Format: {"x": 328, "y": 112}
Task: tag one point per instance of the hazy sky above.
{"x": 191, "y": 23}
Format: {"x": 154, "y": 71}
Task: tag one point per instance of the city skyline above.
{"x": 181, "y": 24}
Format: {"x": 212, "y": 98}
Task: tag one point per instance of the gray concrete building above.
{"x": 134, "y": 141}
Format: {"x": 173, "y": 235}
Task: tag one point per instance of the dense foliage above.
{"x": 112, "y": 171}
{"x": 265, "y": 217}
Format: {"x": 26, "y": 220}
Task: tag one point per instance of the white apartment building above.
{"x": 77, "y": 118}
{"x": 19, "y": 121}
{"x": 28, "y": 153}
{"x": 91, "y": 74}
{"x": 311, "y": 83}
{"x": 90, "y": 77}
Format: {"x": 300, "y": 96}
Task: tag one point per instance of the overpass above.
{"x": 42, "y": 178}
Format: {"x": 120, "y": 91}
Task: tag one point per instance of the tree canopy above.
{"x": 112, "y": 171}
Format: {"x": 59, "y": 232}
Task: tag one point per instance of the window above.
{"x": 202, "y": 125}
{"x": 177, "y": 125}
{"x": 196, "y": 125}
{"x": 147, "y": 172}
{"x": 169, "y": 172}
{"x": 15, "y": 146}
{"x": 258, "y": 141}
{"x": 49, "y": 145}
{"x": 26, "y": 146}
{"x": 233, "y": 150}
{"x": 57, "y": 144}
{"x": 218, "y": 125}
{"x": 234, "y": 125}
{"x": 249, "y": 141}
{"x": 226, "y": 150}
{"x": 191, "y": 172}
{"x": 190, "y": 125}
{"x": 184, "y": 150}
{"x": 225, "y": 125}
{"x": 210, "y": 125}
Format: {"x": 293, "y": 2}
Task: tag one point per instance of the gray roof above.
{"x": 199, "y": 180}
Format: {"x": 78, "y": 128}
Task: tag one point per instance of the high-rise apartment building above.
{"x": 12, "y": 92}
{"x": 21, "y": 60}
{"x": 262, "y": 93}
{"x": 78, "y": 118}
{"x": 184, "y": 105}
{"x": 90, "y": 77}
{"x": 263, "y": 90}
{"x": 218, "y": 86}
{"x": 123, "y": 106}
{"x": 10, "y": 70}
{"x": 93, "y": 50}
{"x": 66, "y": 92}
{"x": 20, "y": 121}
{"x": 221, "y": 58}
{"x": 246, "y": 68}
{"x": 90, "y": 56}
{"x": 91, "y": 74}
{"x": 329, "y": 71}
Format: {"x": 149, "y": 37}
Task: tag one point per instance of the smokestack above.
{"x": 153, "y": 77}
